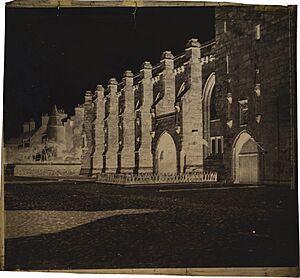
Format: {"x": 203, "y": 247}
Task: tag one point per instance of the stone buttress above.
{"x": 192, "y": 127}
{"x": 88, "y": 138}
{"x": 145, "y": 163}
{"x": 127, "y": 125}
{"x": 112, "y": 128}
{"x": 99, "y": 128}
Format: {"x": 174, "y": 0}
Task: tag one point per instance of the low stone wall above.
{"x": 47, "y": 170}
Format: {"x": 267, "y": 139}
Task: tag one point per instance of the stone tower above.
{"x": 55, "y": 128}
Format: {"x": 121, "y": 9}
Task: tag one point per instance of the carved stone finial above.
{"x": 146, "y": 65}
{"x": 112, "y": 81}
{"x": 193, "y": 43}
{"x": 99, "y": 87}
{"x": 167, "y": 55}
{"x": 128, "y": 73}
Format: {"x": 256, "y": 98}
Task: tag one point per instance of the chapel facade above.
{"x": 223, "y": 106}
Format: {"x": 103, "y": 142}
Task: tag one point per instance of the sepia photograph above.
{"x": 150, "y": 138}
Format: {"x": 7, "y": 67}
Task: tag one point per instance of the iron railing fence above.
{"x": 163, "y": 178}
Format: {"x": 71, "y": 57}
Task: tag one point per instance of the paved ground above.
{"x": 171, "y": 228}
{"x": 24, "y": 223}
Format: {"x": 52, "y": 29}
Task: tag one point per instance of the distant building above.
{"x": 225, "y": 107}
{"x": 57, "y": 141}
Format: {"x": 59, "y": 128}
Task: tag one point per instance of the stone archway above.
{"x": 245, "y": 160}
{"x": 166, "y": 159}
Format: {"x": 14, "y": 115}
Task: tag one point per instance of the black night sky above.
{"x": 54, "y": 56}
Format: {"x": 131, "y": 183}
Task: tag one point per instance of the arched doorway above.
{"x": 166, "y": 154}
{"x": 245, "y": 163}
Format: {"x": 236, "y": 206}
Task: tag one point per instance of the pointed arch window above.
{"x": 243, "y": 112}
{"x": 213, "y": 107}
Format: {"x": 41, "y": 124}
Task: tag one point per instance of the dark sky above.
{"x": 54, "y": 56}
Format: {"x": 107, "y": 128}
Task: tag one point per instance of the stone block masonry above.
{"x": 112, "y": 128}
{"x": 127, "y": 125}
{"x": 144, "y": 157}
{"x": 192, "y": 127}
{"x": 253, "y": 52}
{"x": 99, "y": 128}
{"x": 88, "y": 138}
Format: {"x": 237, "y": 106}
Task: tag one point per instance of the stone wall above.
{"x": 125, "y": 123}
{"x": 253, "y": 63}
{"x": 47, "y": 170}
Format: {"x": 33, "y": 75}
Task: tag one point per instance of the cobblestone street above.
{"x": 69, "y": 225}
